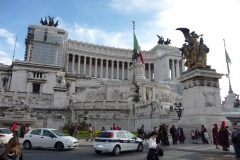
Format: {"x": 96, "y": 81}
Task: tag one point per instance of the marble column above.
{"x": 128, "y": 69}
{"x": 177, "y": 69}
{"x": 122, "y": 70}
{"x": 168, "y": 69}
{"x": 79, "y": 63}
{"x": 117, "y": 69}
{"x": 84, "y": 67}
{"x": 101, "y": 71}
{"x": 172, "y": 71}
{"x": 154, "y": 70}
{"x": 96, "y": 67}
{"x": 67, "y": 62}
{"x": 149, "y": 71}
{"x": 112, "y": 69}
{"x": 183, "y": 67}
{"x": 90, "y": 67}
{"x": 73, "y": 61}
{"x": 106, "y": 68}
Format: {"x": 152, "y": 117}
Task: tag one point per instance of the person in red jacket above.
{"x": 114, "y": 127}
{"x": 215, "y": 133}
{"x": 14, "y": 129}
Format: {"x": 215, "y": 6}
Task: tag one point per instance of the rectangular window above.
{"x": 36, "y": 87}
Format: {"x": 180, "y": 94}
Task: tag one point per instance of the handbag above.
{"x": 160, "y": 151}
{"x": 206, "y": 135}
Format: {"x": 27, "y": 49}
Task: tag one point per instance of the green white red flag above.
{"x": 228, "y": 60}
{"x": 137, "y": 48}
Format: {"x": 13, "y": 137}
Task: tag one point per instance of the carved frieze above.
{"x": 200, "y": 81}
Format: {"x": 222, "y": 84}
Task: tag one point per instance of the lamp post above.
{"x": 171, "y": 108}
{"x": 178, "y": 109}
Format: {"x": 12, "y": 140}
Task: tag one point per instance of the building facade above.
{"x": 62, "y": 81}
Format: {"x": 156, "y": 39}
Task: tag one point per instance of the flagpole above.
{"x": 230, "y": 87}
{"x": 134, "y": 69}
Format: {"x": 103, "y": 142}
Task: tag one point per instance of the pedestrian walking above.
{"x": 215, "y": 133}
{"x": 75, "y": 133}
{"x": 22, "y": 130}
{"x": 193, "y": 137}
{"x": 89, "y": 132}
{"x": 223, "y": 136}
{"x": 12, "y": 150}
{"x": 236, "y": 139}
{"x": 173, "y": 132}
{"x": 14, "y": 129}
{"x": 197, "y": 135}
{"x": 71, "y": 130}
{"x": 152, "y": 152}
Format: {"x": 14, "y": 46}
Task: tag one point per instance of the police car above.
{"x": 116, "y": 141}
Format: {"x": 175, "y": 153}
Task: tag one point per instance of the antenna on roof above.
{"x": 14, "y": 50}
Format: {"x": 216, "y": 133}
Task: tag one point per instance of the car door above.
{"x": 35, "y": 137}
{"x": 131, "y": 141}
{"x": 48, "y": 139}
{"x": 122, "y": 139}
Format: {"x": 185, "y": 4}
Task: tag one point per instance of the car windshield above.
{"x": 104, "y": 134}
{"x": 58, "y": 133}
{"x": 5, "y": 131}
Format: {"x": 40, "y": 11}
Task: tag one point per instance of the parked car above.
{"x": 116, "y": 141}
{"x": 5, "y": 135}
{"x": 48, "y": 138}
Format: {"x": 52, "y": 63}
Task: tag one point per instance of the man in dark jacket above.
{"x": 173, "y": 131}
{"x": 180, "y": 134}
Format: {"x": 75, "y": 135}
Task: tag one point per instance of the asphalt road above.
{"x": 85, "y": 152}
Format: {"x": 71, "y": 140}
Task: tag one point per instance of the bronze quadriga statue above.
{"x": 193, "y": 51}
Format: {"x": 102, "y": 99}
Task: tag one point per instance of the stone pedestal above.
{"x": 201, "y": 101}
{"x": 139, "y": 70}
{"x": 59, "y": 97}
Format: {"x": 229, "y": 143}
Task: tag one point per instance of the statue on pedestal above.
{"x": 193, "y": 51}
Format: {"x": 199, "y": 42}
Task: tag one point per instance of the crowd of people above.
{"x": 159, "y": 136}
{"x": 23, "y": 129}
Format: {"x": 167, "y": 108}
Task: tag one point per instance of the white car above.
{"x": 5, "y": 135}
{"x": 116, "y": 141}
{"x": 48, "y": 138}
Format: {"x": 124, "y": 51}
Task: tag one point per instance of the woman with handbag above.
{"x": 152, "y": 152}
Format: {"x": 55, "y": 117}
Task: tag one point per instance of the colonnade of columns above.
{"x": 103, "y": 68}
{"x": 176, "y": 67}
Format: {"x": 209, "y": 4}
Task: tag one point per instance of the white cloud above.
{"x": 139, "y": 5}
{"x": 2, "y": 53}
{"x": 10, "y": 38}
{"x": 6, "y": 60}
{"x": 82, "y": 32}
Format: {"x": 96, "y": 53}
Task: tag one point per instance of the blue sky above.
{"x": 109, "y": 23}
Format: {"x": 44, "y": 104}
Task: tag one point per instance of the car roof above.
{"x": 46, "y": 128}
{"x": 114, "y": 131}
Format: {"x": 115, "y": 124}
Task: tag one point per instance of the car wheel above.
{"x": 140, "y": 147}
{"x": 116, "y": 150}
{"x": 59, "y": 146}
{"x": 27, "y": 145}
{"x": 98, "y": 152}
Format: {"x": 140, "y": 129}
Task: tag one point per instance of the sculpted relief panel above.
{"x": 164, "y": 97}
{"x": 118, "y": 94}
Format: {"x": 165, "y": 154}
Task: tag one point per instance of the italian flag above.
{"x": 228, "y": 60}
{"x": 137, "y": 48}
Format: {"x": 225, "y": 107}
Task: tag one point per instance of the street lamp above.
{"x": 171, "y": 108}
{"x": 178, "y": 109}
